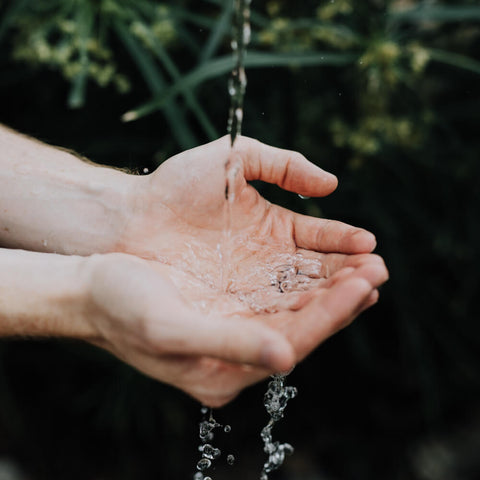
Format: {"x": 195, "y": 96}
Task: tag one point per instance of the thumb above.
{"x": 328, "y": 313}
{"x": 288, "y": 169}
{"x": 235, "y": 340}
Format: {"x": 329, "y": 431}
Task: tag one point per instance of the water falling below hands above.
{"x": 275, "y": 401}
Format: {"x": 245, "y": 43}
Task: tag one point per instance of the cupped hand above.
{"x": 140, "y": 316}
{"x": 240, "y": 288}
{"x": 181, "y": 217}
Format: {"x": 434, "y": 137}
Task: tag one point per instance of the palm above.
{"x": 239, "y": 246}
{"x": 206, "y": 355}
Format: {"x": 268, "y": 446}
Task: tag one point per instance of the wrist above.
{"x": 138, "y": 217}
{"x": 52, "y": 201}
{"x": 44, "y": 295}
{"x": 103, "y": 218}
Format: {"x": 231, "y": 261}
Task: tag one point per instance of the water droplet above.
{"x": 203, "y": 464}
{"x": 207, "y": 478}
{"x": 303, "y": 197}
{"x": 288, "y": 449}
{"x": 205, "y": 428}
{"x": 146, "y": 170}
{"x": 227, "y": 429}
{"x": 239, "y": 115}
{"x": 243, "y": 80}
{"x": 204, "y": 410}
{"x": 207, "y": 451}
{"x": 231, "y": 87}
{"x": 247, "y": 32}
{"x": 198, "y": 476}
{"x": 230, "y": 459}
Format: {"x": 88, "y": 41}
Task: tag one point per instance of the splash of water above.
{"x": 275, "y": 401}
{"x": 209, "y": 453}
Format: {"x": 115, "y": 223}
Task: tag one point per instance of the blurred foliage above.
{"x": 383, "y": 93}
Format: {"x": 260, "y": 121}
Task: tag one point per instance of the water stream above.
{"x": 292, "y": 272}
{"x": 237, "y": 82}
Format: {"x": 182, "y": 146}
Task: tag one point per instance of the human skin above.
{"x": 133, "y": 263}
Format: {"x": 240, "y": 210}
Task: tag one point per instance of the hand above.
{"x": 130, "y": 307}
{"x": 181, "y": 218}
{"x": 138, "y": 314}
{"x": 225, "y": 303}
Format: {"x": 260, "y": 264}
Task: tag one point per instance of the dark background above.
{"x": 393, "y": 111}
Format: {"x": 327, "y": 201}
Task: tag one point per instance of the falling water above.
{"x": 237, "y": 82}
{"x": 209, "y": 453}
{"x": 275, "y": 401}
{"x": 284, "y": 276}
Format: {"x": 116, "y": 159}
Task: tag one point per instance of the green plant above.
{"x": 382, "y": 93}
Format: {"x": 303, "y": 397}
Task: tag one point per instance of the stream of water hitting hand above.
{"x": 277, "y": 395}
{"x": 237, "y": 84}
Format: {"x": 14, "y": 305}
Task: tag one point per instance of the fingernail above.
{"x": 276, "y": 357}
{"x": 367, "y": 238}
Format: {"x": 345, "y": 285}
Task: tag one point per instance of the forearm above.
{"x": 52, "y": 201}
{"x": 43, "y": 295}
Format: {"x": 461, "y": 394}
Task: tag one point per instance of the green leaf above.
{"x": 222, "y": 65}
{"x": 187, "y": 93}
{"x": 199, "y": 20}
{"x": 157, "y": 84}
{"x": 218, "y": 31}
{"x": 455, "y": 60}
{"x": 85, "y": 21}
{"x": 439, "y": 13}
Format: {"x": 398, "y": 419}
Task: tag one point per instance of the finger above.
{"x": 332, "y": 263}
{"x": 235, "y": 340}
{"x": 370, "y": 267}
{"x": 331, "y": 236}
{"x": 328, "y": 313}
{"x": 376, "y": 274}
{"x": 288, "y": 169}
{"x": 371, "y": 301}
{"x": 339, "y": 275}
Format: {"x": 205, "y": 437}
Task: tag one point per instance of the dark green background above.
{"x": 395, "y": 396}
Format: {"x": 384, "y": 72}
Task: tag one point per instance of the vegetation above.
{"x": 384, "y": 93}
